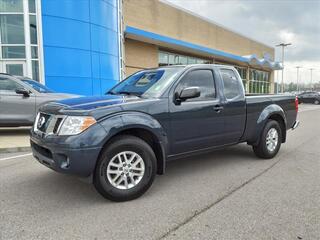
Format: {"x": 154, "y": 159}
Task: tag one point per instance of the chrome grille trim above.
{"x": 53, "y": 120}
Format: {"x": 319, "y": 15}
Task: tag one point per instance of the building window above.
{"x": 35, "y": 70}
{"x": 13, "y": 52}
{"x": 19, "y": 48}
{"x": 242, "y": 72}
{"x": 11, "y": 6}
{"x": 167, "y": 58}
{"x": 12, "y": 31}
{"x": 33, "y": 29}
{"x": 32, "y": 6}
{"x": 259, "y": 81}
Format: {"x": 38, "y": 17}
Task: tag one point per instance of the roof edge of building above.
{"x": 155, "y": 38}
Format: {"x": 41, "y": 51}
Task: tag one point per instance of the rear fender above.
{"x": 270, "y": 111}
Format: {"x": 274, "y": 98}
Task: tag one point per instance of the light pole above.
{"x": 283, "y": 45}
{"x": 311, "y": 69}
{"x": 298, "y": 67}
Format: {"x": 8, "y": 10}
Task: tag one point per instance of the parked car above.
{"x": 20, "y": 99}
{"x": 309, "y": 97}
{"x": 123, "y": 139}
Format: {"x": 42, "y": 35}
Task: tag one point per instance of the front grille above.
{"x": 57, "y": 125}
{"x": 47, "y": 123}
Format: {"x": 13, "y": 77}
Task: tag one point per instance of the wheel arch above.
{"x": 271, "y": 112}
{"x": 144, "y": 127}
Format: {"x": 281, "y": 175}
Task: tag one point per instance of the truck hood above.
{"x": 99, "y": 106}
{"x": 94, "y": 102}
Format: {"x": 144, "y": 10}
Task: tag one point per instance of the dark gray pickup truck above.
{"x": 121, "y": 140}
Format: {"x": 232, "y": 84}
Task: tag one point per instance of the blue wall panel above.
{"x": 80, "y": 42}
{"x": 72, "y": 9}
{"x": 67, "y": 62}
{"x": 66, "y": 33}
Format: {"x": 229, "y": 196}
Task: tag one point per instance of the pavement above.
{"x": 14, "y": 139}
{"x": 227, "y": 194}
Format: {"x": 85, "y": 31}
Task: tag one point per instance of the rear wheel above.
{"x": 316, "y": 101}
{"x": 126, "y": 169}
{"x": 270, "y": 141}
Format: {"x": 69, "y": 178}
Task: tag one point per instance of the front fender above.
{"x": 128, "y": 120}
{"x": 271, "y": 110}
{"x": 123, "y": 121}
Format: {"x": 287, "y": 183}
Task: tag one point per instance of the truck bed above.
{"x": 256, "y": 103}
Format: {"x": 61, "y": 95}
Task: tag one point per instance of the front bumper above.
{"x": 76, "y": 155}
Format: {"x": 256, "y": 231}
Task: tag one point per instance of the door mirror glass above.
{"x": 189, "y": 92}
{"x": 23, "y": 91}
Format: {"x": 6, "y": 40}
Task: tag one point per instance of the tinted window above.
{"x": 231, "y": 83}
{"x": 199, "y": 78}
{"x": 8, "y": 85}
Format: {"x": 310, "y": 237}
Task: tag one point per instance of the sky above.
{"x": 271, "y": 22}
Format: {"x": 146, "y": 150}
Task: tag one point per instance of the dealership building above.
{"x": 86, "y": 46}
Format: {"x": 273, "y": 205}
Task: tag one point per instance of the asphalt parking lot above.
{"x": 227, "y": 194}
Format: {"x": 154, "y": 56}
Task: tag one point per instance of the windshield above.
{"x": 37, "y": 86}
{"x": 148, "y": 83}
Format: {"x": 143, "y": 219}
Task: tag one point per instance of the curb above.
{"x": 15, "y": 149}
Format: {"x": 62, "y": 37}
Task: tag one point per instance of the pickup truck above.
{"x": 121, "y": 140}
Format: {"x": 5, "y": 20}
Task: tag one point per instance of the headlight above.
{"x": 73, "y": 125}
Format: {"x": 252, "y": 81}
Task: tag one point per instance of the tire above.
{"x": 316, "y": 102}
{"x": 108, "y": 168}
{"x": 263, "y": 150}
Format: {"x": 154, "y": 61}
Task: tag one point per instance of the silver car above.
{"x": 21, "y": 97}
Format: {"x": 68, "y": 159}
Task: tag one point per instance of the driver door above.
{"x": 15, "y": 109}
{"x": 196, "y": 123}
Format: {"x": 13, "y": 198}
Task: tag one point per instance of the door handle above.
{"x": 218, "y": 108}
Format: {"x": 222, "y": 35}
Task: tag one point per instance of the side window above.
{"x": 203, "y": 79}
{"x": 231, "y": 83}
{"x": 8, "y": 85}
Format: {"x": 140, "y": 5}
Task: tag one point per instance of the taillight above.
{"x": 297, "y": 104}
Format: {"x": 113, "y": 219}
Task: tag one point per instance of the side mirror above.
{"x": 23, "y": 91}
{"x": 187, "y": 93}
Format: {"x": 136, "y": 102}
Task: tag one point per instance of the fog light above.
{"x": 65, "y": 163}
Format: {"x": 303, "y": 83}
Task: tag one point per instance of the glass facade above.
{"x": 243, "y": 74}
{"x": 168, "y": 58}
{"x": 19, "y": 38}
{"x": 259, "y": 81}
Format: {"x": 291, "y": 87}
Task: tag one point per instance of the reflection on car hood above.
{"x": 59, "y": 95}
{"x": 89, "y": 103}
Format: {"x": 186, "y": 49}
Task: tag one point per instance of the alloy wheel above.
{"x": 272, "y": 139}
{"x": 125, "y": 170}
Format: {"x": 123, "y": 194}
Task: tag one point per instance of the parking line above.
{"x": 13, "y": 157}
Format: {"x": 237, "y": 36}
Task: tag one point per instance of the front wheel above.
{"x": 125, "y": 169}
{"x": 316, "y": 101}
{"x": 270, "y": 141}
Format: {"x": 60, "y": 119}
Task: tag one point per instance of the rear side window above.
{"x": 231, "y": 84}
{"x": 203, "y": 79}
